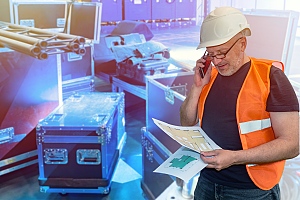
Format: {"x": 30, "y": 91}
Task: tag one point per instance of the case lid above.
{"x": 85, "y": 110}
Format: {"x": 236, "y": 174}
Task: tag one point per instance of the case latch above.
{"x": 6, "y": 134}
{"x": 88, "y": 156}
{"x": 169, "y": 95}
{"x": 56, "y": 156}
{"x": 169, "y": 92}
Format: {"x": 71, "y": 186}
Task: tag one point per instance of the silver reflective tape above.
{"x": 256, "y": 125}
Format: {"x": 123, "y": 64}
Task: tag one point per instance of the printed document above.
{"x": 185, "y": 163}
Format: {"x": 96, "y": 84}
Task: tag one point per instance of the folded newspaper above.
{"x": 185, "y": 163}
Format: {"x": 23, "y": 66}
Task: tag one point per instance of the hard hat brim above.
{"x": 220, "y": 41}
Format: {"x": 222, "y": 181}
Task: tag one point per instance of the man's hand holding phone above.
{"x": 206, "y": 63}
{"x": 202, "y": 66}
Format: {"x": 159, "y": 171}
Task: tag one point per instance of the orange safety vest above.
{"x": 253, "y": 120}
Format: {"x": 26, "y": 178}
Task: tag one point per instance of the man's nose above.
{"x": 216, "y": 61}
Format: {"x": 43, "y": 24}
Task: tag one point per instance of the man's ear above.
{"x": 244, "y": 44}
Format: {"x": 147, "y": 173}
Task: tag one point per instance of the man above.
{"x": 247, "y": 106}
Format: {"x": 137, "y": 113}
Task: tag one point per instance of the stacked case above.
{"x": 164, "y": 96}
{"x": 29, "y": 91}
{"x": 80, "y": 142}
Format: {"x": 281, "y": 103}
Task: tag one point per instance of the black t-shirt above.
{"x": 219, "y": 118}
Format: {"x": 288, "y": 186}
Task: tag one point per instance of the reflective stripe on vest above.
{"x": 256, "y": 125}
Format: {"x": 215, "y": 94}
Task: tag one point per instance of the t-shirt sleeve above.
{"x": 282, "y": 97}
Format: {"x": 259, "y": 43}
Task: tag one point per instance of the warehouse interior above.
{"x": 34, "y": 85}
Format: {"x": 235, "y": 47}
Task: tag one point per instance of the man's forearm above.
{"x": 286, "y": 144}
{"x": 189, "y": 107}
{"x": 270, "y": 152}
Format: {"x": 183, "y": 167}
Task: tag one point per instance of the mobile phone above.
{"x": 206, "y": 64}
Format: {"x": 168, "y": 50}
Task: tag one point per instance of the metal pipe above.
{"x": 20, "y": 46}
{"x": 39, "y": 43}
{"x": 81, "y": 51}
{"x": 78, "y": 39}
{"x": 43, "y": 56}
{"x": 30, "y": 40}
{"x": 74, "y": 46}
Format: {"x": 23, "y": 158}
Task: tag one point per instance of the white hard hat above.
{"x": 221, "y": 25}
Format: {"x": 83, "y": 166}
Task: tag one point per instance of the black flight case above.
{"x": 79, "y": 143}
